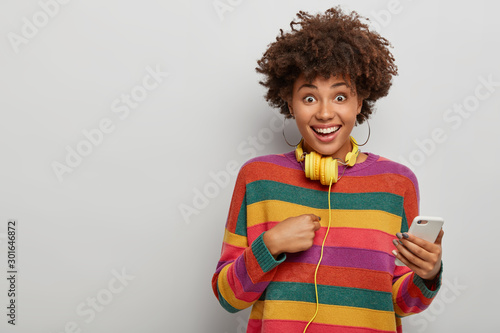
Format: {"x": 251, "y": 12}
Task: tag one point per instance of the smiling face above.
{"x": 325, "y": 112}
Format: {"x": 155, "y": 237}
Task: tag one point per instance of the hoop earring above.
{"x": 369, "y": 130}
{"x": 284, "y": 137}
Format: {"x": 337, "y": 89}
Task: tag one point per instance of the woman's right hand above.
{"x": 292, "y": 235}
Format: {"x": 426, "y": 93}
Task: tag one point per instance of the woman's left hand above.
{"x": 421, "y": 256}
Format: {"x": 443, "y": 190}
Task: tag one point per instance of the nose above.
{"x": 326, "y": 111}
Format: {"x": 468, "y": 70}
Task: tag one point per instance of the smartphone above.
{"x": 425, "y": 227}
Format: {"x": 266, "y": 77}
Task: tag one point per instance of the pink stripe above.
{"x": 229, "y": 252}
{"x": 254, "y": 231}
{"x": 370, "y": 239}
{"x": 274, "y": 325}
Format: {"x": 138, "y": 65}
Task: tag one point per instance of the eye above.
{"x": 340, "y": 98}
{"x": 309, "y": 99}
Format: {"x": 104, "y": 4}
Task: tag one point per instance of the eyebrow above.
{"x": 312, "y": 86}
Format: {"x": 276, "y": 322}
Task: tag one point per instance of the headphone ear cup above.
{"x": 329, "y": 170}
{"x": 307, "y": 165}
{"x": 312, "y": 165}
{"x": 316, "y": 165}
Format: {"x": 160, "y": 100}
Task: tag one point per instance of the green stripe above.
{"x": 262, "y": 190}
{"x": 404, "y": 224}
{"x": 332, "y": 295}
{"x": 241, "y": 223}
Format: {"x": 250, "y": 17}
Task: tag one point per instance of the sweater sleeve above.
{"x": 244, "y": 270}
{"x": 410, "y": 294}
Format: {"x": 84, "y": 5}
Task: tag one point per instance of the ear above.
{"x": 290, "y": 108}
{"x": 360, "y": 105}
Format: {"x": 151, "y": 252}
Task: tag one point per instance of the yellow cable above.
{"x": 321, "y": 256}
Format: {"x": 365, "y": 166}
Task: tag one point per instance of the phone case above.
{"x": 427, "y": 231}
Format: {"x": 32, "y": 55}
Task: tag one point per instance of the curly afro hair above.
{"x": 329, "y": 44}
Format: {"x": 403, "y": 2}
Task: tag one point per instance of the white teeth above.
{"x": 326, "y": 130}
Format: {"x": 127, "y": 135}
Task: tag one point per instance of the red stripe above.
{"x": 415, "y": 292}
{"x": 339, "y": 276}
{"x": 254, "y": 270}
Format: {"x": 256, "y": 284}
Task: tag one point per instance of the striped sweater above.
{"x": 360, "y": 288}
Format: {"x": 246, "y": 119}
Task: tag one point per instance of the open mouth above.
{"x": 325, "y": 131}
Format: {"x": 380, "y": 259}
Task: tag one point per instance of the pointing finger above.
{"x": 314, "y": 217}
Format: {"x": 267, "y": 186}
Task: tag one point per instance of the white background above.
{"x": 119, "y": 210}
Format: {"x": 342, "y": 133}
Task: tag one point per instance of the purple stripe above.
{"x": 411, "y": 301}
{"x": 382, "y": 167}
{"x": 221, "y": 265}
{"x": 241, "y": 273}
{"x": 284, "y": 161}
{"x": 346, "y": 257}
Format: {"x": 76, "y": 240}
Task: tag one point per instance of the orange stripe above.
{"x": 236, "y": 201}
{"x": 254, "y": 270}
{"x": 252, "y": 265}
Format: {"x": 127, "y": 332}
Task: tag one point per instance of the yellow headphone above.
{"x": 322, "y": 168}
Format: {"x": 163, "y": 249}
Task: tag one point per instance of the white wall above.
{"x": 118, "y": 211}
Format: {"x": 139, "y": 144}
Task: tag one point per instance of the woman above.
{"x": 320, "y": 255}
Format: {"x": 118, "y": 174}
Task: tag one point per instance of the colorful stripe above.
{"x": 332, "y": 295}
{"x": 360, "y": 289}
{"x": 327, "y": 314}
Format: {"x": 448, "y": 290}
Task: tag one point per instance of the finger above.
{"x": 405, "y": 261}
{"x": 314, "y": 217}
{"x": 407, "y": 238}
{"x": 317, "y": 225}
{"x": 418, "y": 251}
{"x": 422, "y": 270}
{"x": 439, "y": 237}
{"x": 417, "y": 256}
